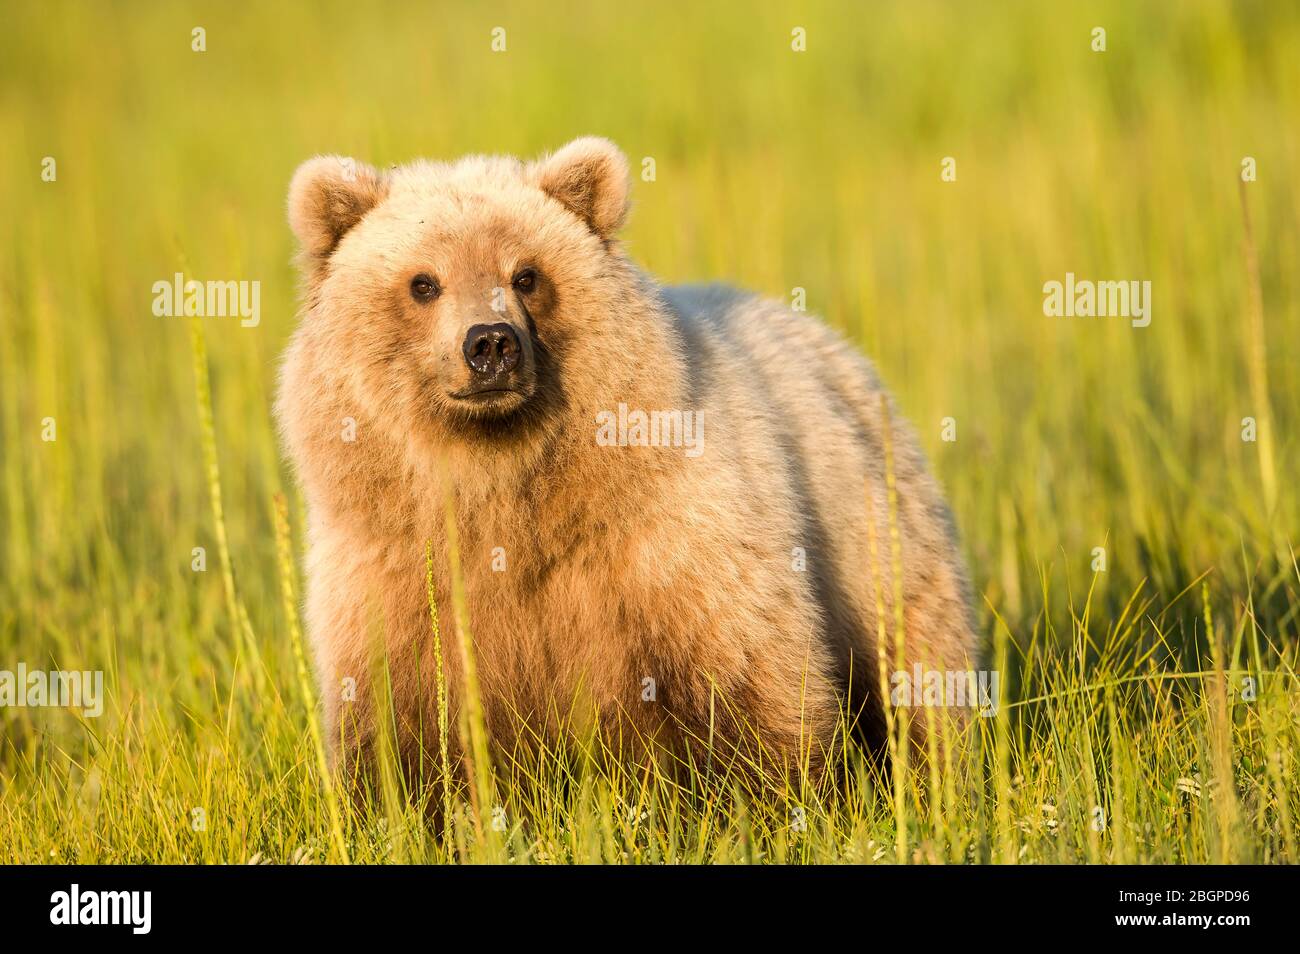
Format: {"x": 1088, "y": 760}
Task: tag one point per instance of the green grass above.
{"x": 775, "y": 170}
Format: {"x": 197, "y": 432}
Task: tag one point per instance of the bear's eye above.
{"x": 525, "y": 281}
{"x": 424, "y": 288}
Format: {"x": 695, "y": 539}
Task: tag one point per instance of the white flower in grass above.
{"x": 304, "y": 855}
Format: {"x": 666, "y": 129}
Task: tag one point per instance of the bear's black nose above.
{"x": 491, "y": 349}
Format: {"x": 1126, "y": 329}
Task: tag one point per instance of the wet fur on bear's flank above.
{"x": 622, "y": 564}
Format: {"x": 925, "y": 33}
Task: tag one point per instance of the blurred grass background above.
{"x": 775, "y": 169}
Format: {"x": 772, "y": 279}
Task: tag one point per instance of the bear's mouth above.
{"x": 490, "y": 400}
{"x": 480, "y": 396}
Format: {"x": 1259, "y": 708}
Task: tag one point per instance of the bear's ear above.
{"x": 589, "y": 178}
{"x": 328, "y": 196}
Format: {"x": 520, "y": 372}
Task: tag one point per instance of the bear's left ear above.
{"x": 327, "y": 197}
{"x": 589, "y": 178}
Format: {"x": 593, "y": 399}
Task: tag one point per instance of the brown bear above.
{"x": 660, "y": 493}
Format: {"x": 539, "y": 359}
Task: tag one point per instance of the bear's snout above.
{"x": 491, "y": 351}
{"x": 496, "y": 372}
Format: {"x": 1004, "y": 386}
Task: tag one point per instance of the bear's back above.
{"x": 824, "y": 404}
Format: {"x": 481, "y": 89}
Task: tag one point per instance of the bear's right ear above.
{"x": 328, "y": 196}
{"x": 589, "y": 178}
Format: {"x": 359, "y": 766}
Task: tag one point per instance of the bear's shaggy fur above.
{"x": 677, "y": 598}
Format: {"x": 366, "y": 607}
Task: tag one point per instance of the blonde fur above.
{"x": 622, "y": 563}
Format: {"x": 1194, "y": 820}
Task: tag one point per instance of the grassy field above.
{"x": 1128, "y": 730}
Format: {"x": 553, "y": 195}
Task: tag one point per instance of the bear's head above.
{"x": 474, "y": 303}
